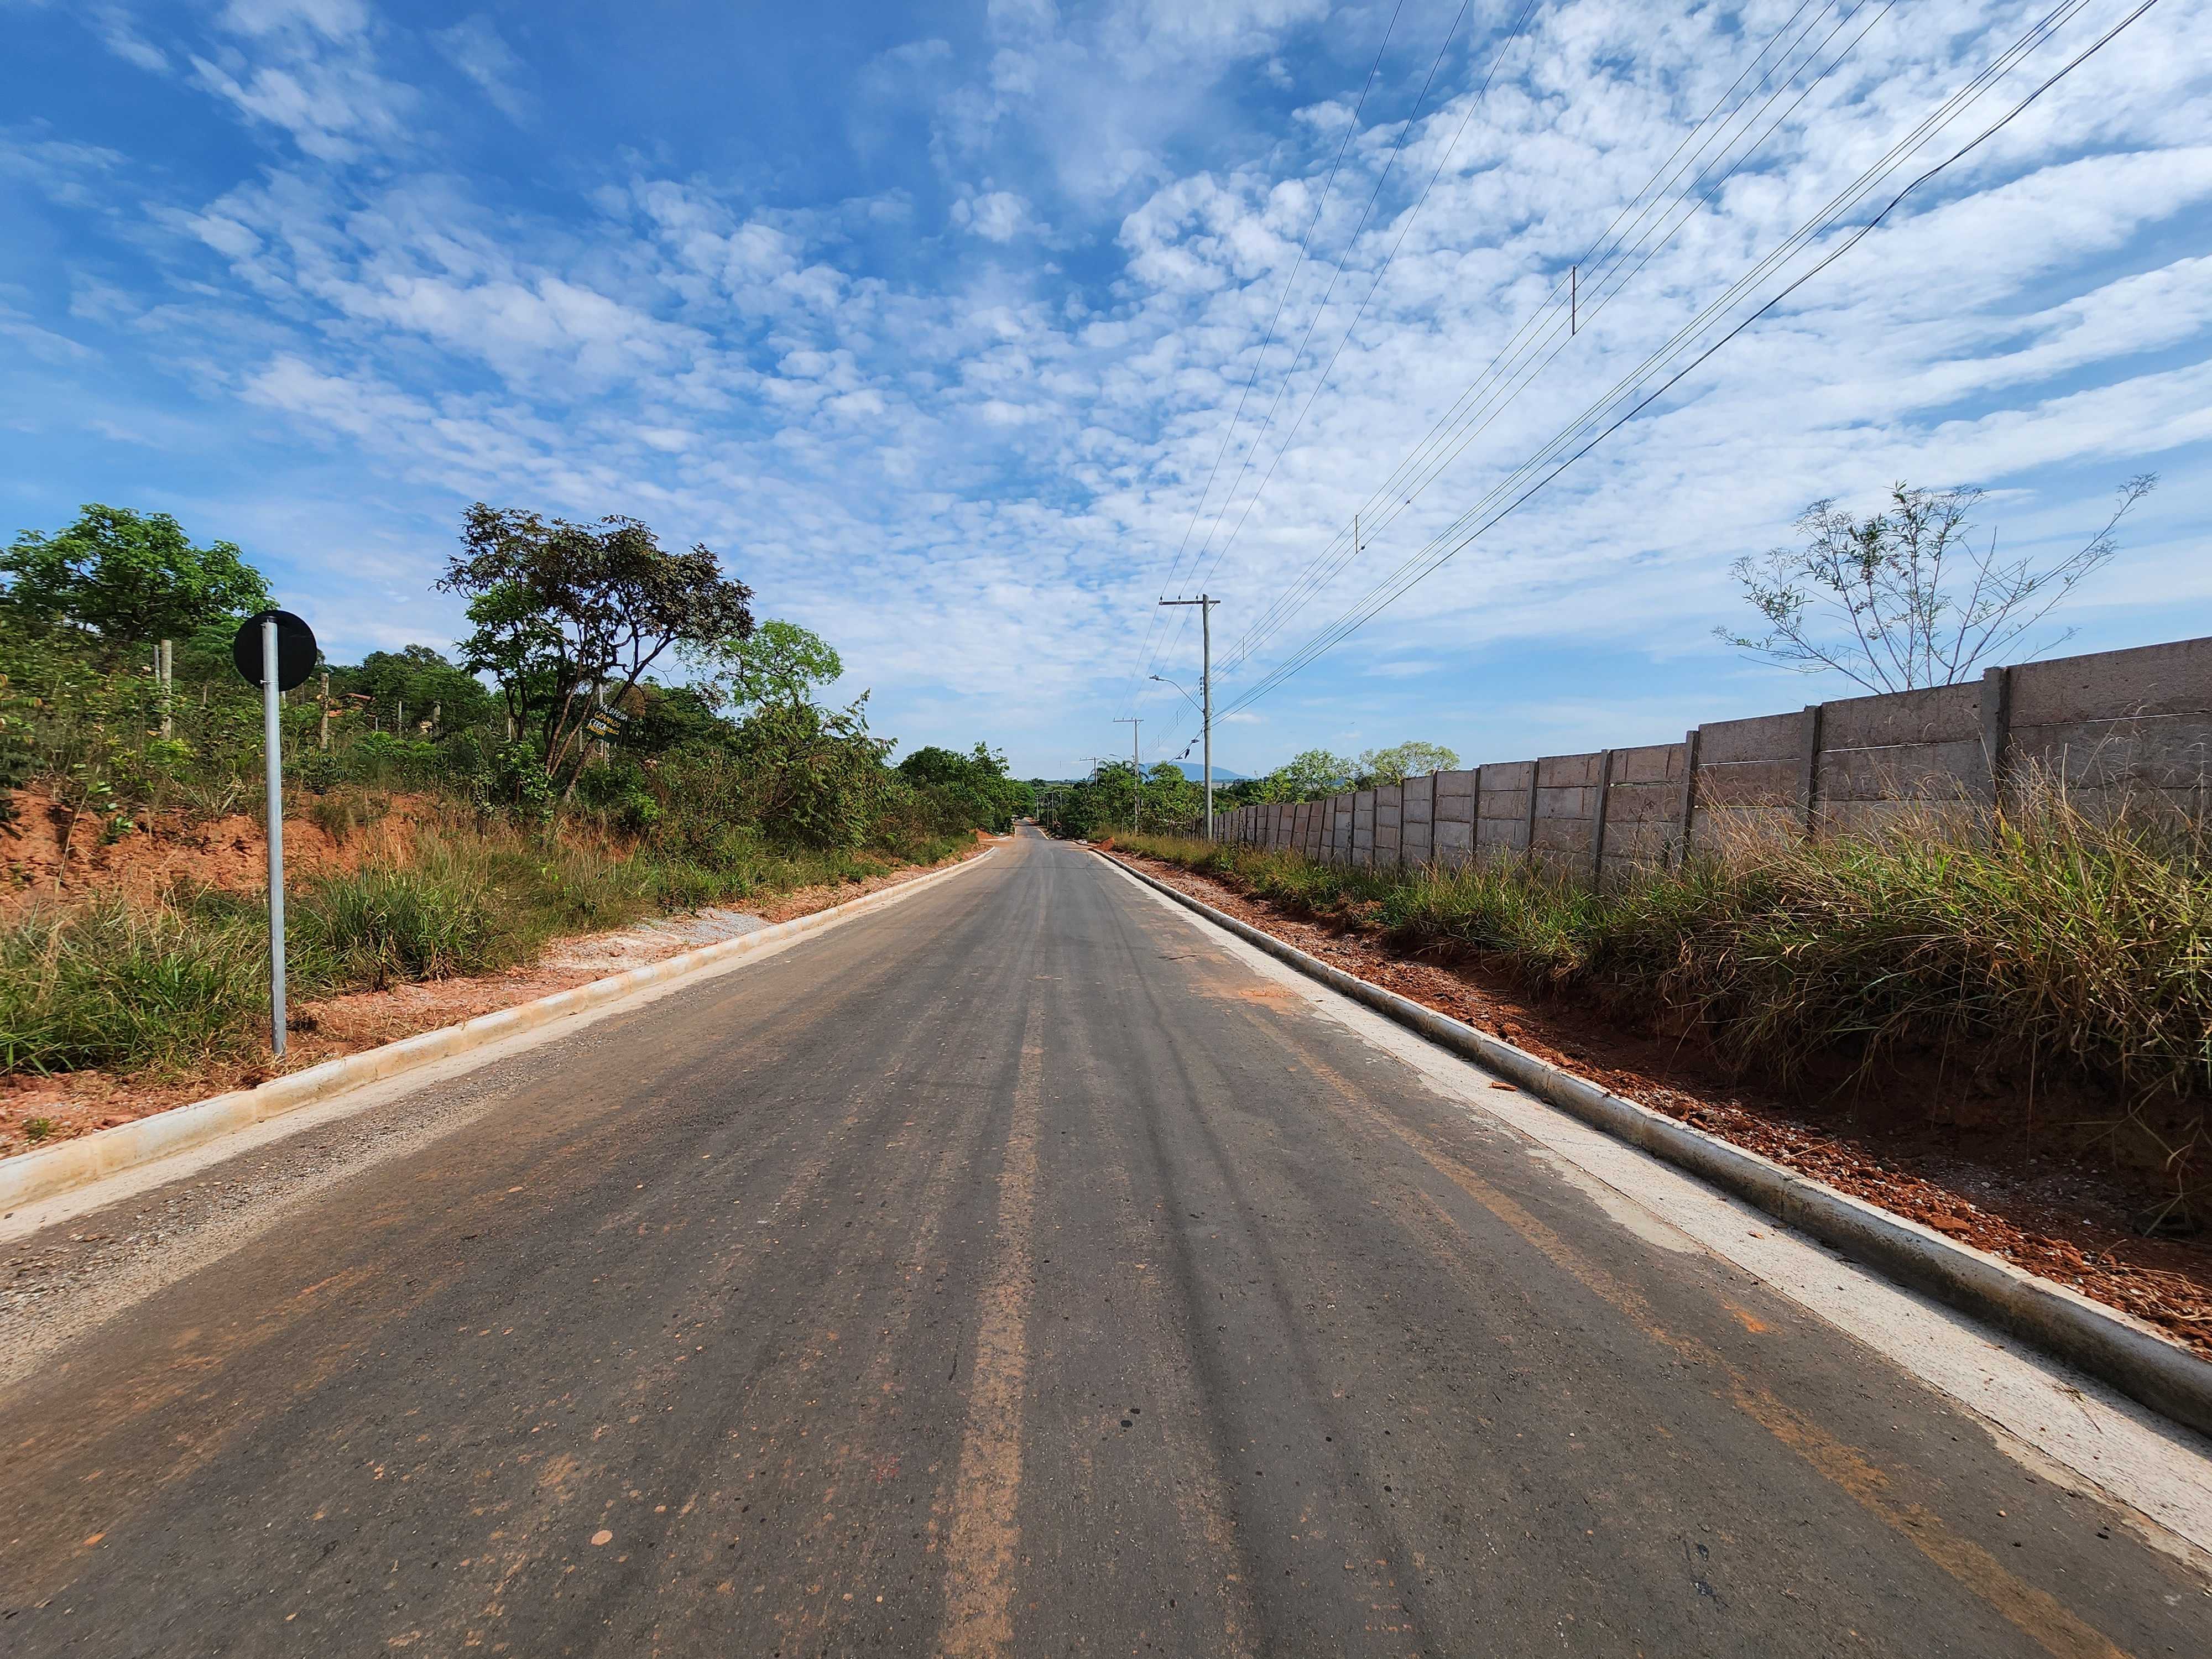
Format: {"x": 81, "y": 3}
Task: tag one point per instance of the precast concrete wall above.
{"x": 2113, "y": 728}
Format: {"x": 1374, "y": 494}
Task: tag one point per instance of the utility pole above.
{"x": 1206, "y": 685}
{"x": 1136, "y": 767}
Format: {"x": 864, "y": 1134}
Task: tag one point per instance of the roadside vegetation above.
{"x": 617, "y": 738}
{"x": 2049, "y": 947}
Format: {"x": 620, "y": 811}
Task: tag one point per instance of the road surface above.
{"x": 1012, "y": 1272}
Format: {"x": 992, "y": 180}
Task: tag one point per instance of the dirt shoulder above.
{"x": 2052, "y": 1216}
{"x": 77, "y": 1103}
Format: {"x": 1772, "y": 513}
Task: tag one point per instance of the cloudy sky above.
{"x": 963, "y": 331}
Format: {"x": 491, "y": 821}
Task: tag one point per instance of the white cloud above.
{"x": 475, "y": 47}
{"x": 124, "y": 41}
{"x": 997, "y": 216}
{"x": 309, "y": 68}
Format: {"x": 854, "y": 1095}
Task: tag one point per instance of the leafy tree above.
{"x": 578, "y": 607}
{"x": 1904, "y": 599}
{"x": 1402, "y": 760}
{"x": 777, "y": 662}
{"x": 516, "y": 644}
{"x": 1101, "y": 805}
{"x": 421, "y": 680}
{"x": 128, "y": 577}
{"x": 973, "y": 785}
{"x": 1313, "y": 775}
{"x": 814, "y": 776}
{"x": 664, "y": 718}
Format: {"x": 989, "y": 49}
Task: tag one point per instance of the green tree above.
{"x": 1313, "y": 775}
{"x": 579, "y": 608}
{"x": 973, "y": 787}
{"x": 776, "y": 662}
{"x": 421, "y": 680}
{"x": 128, "y": 577}
{"x": 1402, "y": 760}
{"x": 516, "y": 644}
{"x": 813, "y": 777}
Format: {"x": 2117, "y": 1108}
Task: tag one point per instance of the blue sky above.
{"x": 933, "y": 321}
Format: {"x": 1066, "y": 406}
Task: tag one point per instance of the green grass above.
{"x": 2046, "y": 941}
{"x": 124, "y": 986}
{"x": 168, "y": 988}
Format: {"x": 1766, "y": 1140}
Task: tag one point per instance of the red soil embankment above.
{"x": 169, "y": 849}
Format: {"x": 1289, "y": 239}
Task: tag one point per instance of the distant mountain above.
{"x": 1196, "y": 773}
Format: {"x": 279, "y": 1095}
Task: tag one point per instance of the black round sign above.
{"x": 295, "y": 650}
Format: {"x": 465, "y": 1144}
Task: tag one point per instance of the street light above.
{"x": 1187, "y": 697}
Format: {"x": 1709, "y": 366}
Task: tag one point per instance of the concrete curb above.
{"x": 2101, "y": 1340}
{"x": 31, "y": 1176}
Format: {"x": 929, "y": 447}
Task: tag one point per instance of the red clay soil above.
{"x": 172, "y": 849}
{"x": 2052, "y": 1215}
{"x": 77, "y": 1103}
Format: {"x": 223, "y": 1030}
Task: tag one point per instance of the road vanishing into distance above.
{"x": 1013, "y": 1270}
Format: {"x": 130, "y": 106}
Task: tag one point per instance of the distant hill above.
{"x": 1196, "y": 773}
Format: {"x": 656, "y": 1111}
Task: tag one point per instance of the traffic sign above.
{"x": 295, "y": 649}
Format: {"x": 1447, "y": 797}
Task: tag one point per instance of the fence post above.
{"x": 1996, "y": 731}
{"x": 1809, "y": 776}
{"x": 1689, "y": 792}
{"x": 1528, "y": 834}
{"x": 1597, "y": 820}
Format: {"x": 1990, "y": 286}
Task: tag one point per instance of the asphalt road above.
{"x": 1010, "y": 1271}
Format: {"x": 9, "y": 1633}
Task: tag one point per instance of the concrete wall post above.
{"x": 1597, "y": 819}
{"x": 1808, "y": 777}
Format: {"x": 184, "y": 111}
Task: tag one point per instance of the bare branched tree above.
{"x": 1904, "y": 599}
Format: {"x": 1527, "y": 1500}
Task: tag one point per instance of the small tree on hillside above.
{"x": 580, "y": 608}
{"x": 128, "y": 577}
{"x": 1904, "y": 599}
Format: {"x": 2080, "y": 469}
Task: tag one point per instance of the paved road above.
{"x": 1013, "y": 1271}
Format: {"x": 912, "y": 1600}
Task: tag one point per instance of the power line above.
{"x": 1283, "y": 449}
{"x": 1421, "y": 466}
{"x": 1384, "y": 593}
{"x": 1840, "y": 203}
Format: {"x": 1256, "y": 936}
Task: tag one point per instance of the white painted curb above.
{"x": 31, "y": 1176}
{"x": 2132, "y": 1356}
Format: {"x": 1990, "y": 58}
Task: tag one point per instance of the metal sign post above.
{"x": 272, "y": 734}
{"x": 276, "y": 651}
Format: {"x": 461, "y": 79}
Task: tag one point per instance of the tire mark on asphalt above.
{"x": 1183, "y": 1417}
{"x": 985, "y": 1530}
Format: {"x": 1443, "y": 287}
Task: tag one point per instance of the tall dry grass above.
{"x": 2049, "y": 940}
